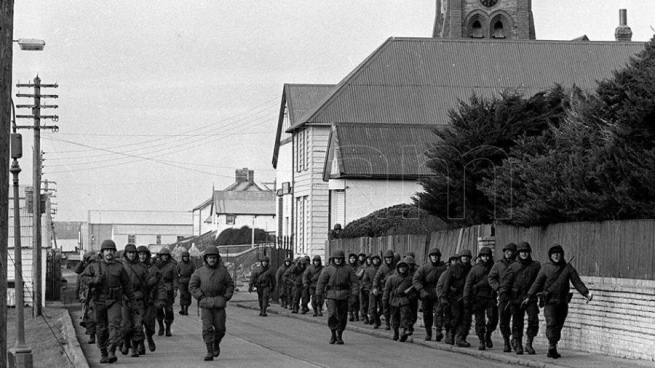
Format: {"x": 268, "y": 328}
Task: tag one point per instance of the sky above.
{"x": 160, "y": 101}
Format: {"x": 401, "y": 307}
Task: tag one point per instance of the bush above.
{"x": 402, "y": 219}
{"x": 241, "y": 236}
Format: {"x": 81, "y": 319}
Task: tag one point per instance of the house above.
{"x": 137, "y": 227}
{"x": 416, "y": 81}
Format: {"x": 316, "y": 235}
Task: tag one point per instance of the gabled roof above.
{"x": 417, "y": 80}
{"x": 244, "y": 203}
{"x": 378, "y": 151}
{"x": 203, "y": 204}
{"x": 300, "y": 99}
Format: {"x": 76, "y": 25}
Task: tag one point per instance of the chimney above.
{"x": 623, "y": 33}
{"x": 244, "y": 175}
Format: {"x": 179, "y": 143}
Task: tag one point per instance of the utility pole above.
{"x": 6, "y": 56}
{"x": 36, "y": 179}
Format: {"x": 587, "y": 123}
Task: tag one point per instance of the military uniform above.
{"x": 353, "y": 302}
{"x": 284, "y": 291}
{"x": 263, "y": 279}
{"x": 170, "y": 277}
{"x": 495, "y": 275}
{"x": 155, "y": 295}
{"x": 378, "y": 284}
{"x": 481, "y": 298}
{"x": 184, "y": 269}
{"x": 110, "y": 282}
{"x": 310, "y": 280}
{"x": 213, "y": 287}
{"x": 82, "y": 291}
{"x": 374, "y": 299}
{"x": 453, "y": 295}
{"x": 515, "y": 284}
{"x": 553, "y": 282}
{"x": 363, "y": 293}
{"x": 337, "y": 283}
{"x": 398, "y": 293}
{"x": 293, "y": 277}
{"x": 133, "y": 313}
{"x": 425, "y": 283}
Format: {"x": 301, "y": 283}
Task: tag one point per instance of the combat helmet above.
{"x": 107, "y": 244}
{"x": 524, "y": 247}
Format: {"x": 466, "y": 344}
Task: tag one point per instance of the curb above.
{"x": 73, "y": 347}
{"x": 509, "y": 359}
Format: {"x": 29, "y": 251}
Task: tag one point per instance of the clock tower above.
{"x": 484, "y": 19}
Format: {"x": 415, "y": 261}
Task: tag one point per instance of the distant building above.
{"x": 138, "y": 227}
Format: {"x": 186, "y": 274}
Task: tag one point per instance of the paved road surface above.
{"x": 278, "y": 341}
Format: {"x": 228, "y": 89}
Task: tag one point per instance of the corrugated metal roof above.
{"x": 380, "y": 150}
{"x": 417, "y": 80}
{"x": 244, "y": 203}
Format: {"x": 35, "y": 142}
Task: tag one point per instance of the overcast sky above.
{"x": 161, "y": 100}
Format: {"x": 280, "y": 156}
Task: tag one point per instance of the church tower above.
{"x": 484, "y": 19}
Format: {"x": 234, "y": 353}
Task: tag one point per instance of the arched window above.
{"x": 476, "y": 26}
{"x": 499, "y": 30}
{"x": 476, "y": 30}
{"x": 500, "y": 26}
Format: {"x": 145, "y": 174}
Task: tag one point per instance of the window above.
{"x": 131, "y": 239}
{"x": 476, "y": 31}
{"x": 499, "y": 31}
{"x": 230, "y": 219}
{"x": 158, "y": 239}
{"x": 180, "y": 238}
{"x": 302, "y": 150}
{"x": 302, "y": 211}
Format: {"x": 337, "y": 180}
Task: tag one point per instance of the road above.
{"x": 278, "y": 341}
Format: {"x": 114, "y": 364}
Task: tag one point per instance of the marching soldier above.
{"x": 453, "y": 295}
{"x": 310, "y": 279}
{"x": 495, "y": 275}
{"x": 167, "y": 267}
{"x": 378, "y": 285}
{"x": 110, "y": 282}
{"x": 353, "y": 303}
{"x": 82, "y": 285}
{"x": 212, "y": 286}
{"x": 184, "y": 270}
{"x": 155, "y": 295}
{"x": 374, "y": 299}
{"x": 284, "y": 291}
{"x": 481, "y": 298}
{"x": 363, "y": 295}
{"x": 553, "y": 284}
{"x": 337, "y": 282}
{"x": 133, "y": 313}
{"x": 398, "y": 292}
{"x": 425, "y": 282}
{"x": 263, "y": 279}
{"x": 514, "y": 288}
{"x": 294, "y": 276}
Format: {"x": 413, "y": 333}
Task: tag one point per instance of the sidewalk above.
{"x": 570, "y": 358}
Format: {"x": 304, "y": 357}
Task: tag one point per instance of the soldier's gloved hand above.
{"x": 525, "y": 302}
{"x": 424, "y": 294}
{"x": 589, "y": 297}
{"x": 445, "y": 301}
{"x": 375, "y": 292}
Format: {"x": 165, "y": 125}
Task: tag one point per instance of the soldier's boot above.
{"x": 388, "y": 325}
{"x": 339, "y": 337}
{"x": 92, "y": 339}
{"x": 552, "y": 351}
{"x": 352, "y": 317}
{"x": 483, "y": 345}
{"x": 428, "y": 334}
{"x": 376, "y": 322}
{"x": 294, "y": 309}
{"x": 161, "y": 328}
{"x": 111, "y": 356}
{"x": 142, "y": 348}
{"x": 506, "y": 346}
{"x": 217, "y": 348}
{"x": 135, "y": 349}
{"x": 403, "y": 335}
{"x": 528, "y": 346}
{"x": 168, "y": 330}
{"x": 151, "y": 343}
{"x": 210, "y": 352}
{"x": 410, "y": 330}
{"x": 315, "y": 313}
{"x": 449, "y": 338}
{"x": 125, "y": 347}
{"x": 333, "y": 339}
{"x": 264, "y": 311}
{"x": 181, "y": 312}
{"x": 103, "y": 356}
{"x": 461, "y": 342}
{"x": 518, "y": 346}
{"x": 439, "y": 336}
{"x": 487, "y": 340}
{"x": 396, "y": 334}
{"x": 356, "y": 316}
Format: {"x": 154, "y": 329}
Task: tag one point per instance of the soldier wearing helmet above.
{"x": 514, "y": 287}
{"x": 133, "y": 313}
{"x": 156, "y": 295}
{"x": 284, "y": 290}
{"x": 263, "y": 279}
{"x": 111, "y": 283}
{"x": 167, "y": 267}
{"x": 353, "y": 303}
{"x": 337, "y": 283}
{"x": 82, "y": 291}
{"x": 495, "y": 275}
{"x": 363, "y": 293}
{"x": 553, "y": 283}
{"x": 425, "y": 282}
{"x": 480, "y": 298}
{"x": 184, "y": 270}
{"x": 380, "y": 278}
{"x": 309, "y": 280}
{"x": 374, "y": 301}
{"x": 213, "y": 287}
{"x": 294, "y": 276}
{"x": 398, "y": 291}
{"x": 453, "y": 295}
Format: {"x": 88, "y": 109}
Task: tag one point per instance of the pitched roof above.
{"x": 299, "y": 99}
{"x": 244, "y": 203}
{"x": 373, "y": 151}
{"x": 417, "y": 80}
